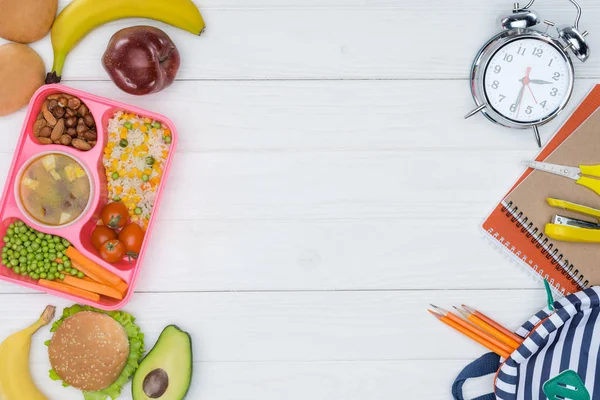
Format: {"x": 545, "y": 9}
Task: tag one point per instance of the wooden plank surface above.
{"x": 326, "y": 190}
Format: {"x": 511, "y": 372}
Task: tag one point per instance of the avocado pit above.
{"x": 156, "y": 383}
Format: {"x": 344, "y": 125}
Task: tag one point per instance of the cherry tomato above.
{"x": 102, "y": 234}
{"x": 112, "y": 251}
{"x": 115, "y": 215}
{"x": 132, "y": 237}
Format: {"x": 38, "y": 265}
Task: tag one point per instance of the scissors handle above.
{"x": 591, "y": 170}
{"x": 590, "y": 183}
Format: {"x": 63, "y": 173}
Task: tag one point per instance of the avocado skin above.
{"x": 169, "y": 353}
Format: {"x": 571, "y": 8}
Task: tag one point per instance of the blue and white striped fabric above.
{"x": 559, "y": 340}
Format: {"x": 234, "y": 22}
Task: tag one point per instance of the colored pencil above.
{"x": 469, "y": 334}
{"x": 488, "y": 328}
{"x": 474, "y": 330}
{"x": 494, "y": 324}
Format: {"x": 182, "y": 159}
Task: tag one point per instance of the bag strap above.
{"x": 484, "y": 365}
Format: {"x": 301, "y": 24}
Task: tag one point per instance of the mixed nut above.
{"x": 65, "y": 120}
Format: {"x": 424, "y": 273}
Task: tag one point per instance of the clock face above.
{"x": 528, "y": 80}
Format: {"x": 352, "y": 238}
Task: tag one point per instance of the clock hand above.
{"x": 532, "y": 95}
{"x": 540, "y": 82}
{"x": 519, "y": 99}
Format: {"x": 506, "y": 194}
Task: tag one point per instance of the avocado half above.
{"x": 166, "y": 372}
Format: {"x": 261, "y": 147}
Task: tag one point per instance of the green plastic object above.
{"x": 549, "y": 294}
{"x": 566, "y": 385}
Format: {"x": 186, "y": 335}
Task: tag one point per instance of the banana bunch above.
{"x": 82, "y": 16}
{"x": 15, "y": 378}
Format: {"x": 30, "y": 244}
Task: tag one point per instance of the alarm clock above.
{"x": 522, "y": 78}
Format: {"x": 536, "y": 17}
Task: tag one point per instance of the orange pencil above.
{"x": 474, "y": 330}
{"x": 470, "y": 335}
{"x": 494, "y": 324}
{"x": 488, "y": 328}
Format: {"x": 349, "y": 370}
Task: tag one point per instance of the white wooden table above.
{"x": 326, "y": 189}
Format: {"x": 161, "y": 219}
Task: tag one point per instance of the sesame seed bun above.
{"x": 89, "y": 350}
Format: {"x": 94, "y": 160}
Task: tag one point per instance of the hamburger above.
{"x": 95, "y": 351}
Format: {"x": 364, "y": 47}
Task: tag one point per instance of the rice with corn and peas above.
{"x": 134, "y": 160}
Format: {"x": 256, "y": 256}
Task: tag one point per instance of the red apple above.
{"x": 141, "y": 60}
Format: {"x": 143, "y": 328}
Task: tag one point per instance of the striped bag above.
{"x": 560, "y": 344}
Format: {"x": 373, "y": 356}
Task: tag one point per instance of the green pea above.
{"x": 22, "y": 229}
{"x": 19, "y": 242}
{"x": 14, "y": 262}
{"x": 53, "y": 270}
{"x": 17, "y": 270}
{"x": 59, "y": 255}
{"x": 64, "y": 258}
{"x": 145, "y": 178}
{"x": 60, "y": 267}
{"x": 12, "y": 226}
{"x": 67, "y": 264}
{"x": 40, "y": 235}
{"x": 51, "y": 245}
{"x": 60, "y": 247}
{"x": 116, "y": 198}
{"x": 168, "y": 139}
{"x": 56, "y": 239}
{"x": 38, "y": 240}
{"x": 23, "y": 259}
{"x": 46, "y": 265}
{"x": 128, "y": 125}
{"x": 115, "y": 175}
{"x": 40, "y": 264}
{"x": 43, "y": 275}
{"x": 19, "y": 223}
{"x": 148, "y": 126}
{"x": 10, "y": 232}
{"x": 62, "y": 277}
{"x": 66, "y": 243}
{"x": 80, "y": 275}
{"x": 150, "y": 160}
{"x": 47, "y": 237}
{"x": 35, "y": 276}
{"x": 50, "y": 277}
{"x": 156, "y": 125}
{"x": 35, "y": 245}
{"x": 23, "y": 252}
{"x": 123, "y": 142}
{"x": 68, "y": 270}
{"x": 54, "y": 264}
{"x": 39, "y": 257}
{"x": 31, "y": 237}
{"x": 6, "y": 239}
{"x": 44, "y": 248}
{"x": 74, "y": 271}
{"x": 137, "y": 211}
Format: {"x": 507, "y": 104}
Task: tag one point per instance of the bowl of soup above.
{"x": 53, "y": 189}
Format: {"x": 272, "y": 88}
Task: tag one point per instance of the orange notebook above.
{"x": 517, "y": 222}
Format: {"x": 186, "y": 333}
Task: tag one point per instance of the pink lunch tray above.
{"x": 79, "y": 233}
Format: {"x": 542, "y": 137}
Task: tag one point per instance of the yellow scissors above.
{"x": 575, "y": 173}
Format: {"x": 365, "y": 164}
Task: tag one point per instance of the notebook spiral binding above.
{"x": 547, "y": 249}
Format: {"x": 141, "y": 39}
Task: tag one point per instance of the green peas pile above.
{"x": 31, "y": 253}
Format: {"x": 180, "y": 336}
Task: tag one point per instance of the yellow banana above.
{"x": 15, "y": 378}
{"x": 82, "y": 16}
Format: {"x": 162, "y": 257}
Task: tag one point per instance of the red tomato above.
{"x": 115, "y": 215}
{"x": 102, "y": 234}
{"x": 132, "y": 237}
{"x": 112, "y": 251}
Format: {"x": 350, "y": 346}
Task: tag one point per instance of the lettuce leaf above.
{"x": 136, "y": 350}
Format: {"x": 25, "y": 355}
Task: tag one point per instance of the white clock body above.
{"x": 524, "y": 78}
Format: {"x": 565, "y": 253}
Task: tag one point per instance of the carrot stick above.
{"x": 90, "y": 268}
{"x": 93, "y": 287}
{"x": 121, "y": 286}
{"x": 69, "y": 290}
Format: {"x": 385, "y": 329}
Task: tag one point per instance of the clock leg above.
{"x": 536, "y": 134}
{"x": 475, "y": 111}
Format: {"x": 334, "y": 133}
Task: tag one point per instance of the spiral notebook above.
{"x": 517, "y": 222}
